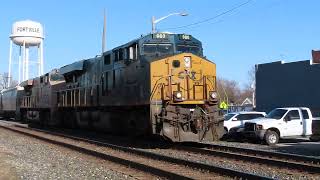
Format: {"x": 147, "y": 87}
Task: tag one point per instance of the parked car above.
{"x": 280, "y": 123}
{"x": 236, "y": 119}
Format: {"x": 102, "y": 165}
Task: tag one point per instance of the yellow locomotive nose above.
{"x": 184, "y": 99}
{"x": 183, "y": 79}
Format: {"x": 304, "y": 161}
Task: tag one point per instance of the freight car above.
{"x": 157, "y": 84}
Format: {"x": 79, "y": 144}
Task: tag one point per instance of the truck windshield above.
{"x": 227, "y": 117}
{"x": 276, "y": 113}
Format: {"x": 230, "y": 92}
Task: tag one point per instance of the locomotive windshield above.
{"x": 159, "y": 49}
{"x": 56, "y": 77}
{"x": 188, "y": 49}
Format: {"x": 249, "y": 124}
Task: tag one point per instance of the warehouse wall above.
{"x": 287, "y": 84}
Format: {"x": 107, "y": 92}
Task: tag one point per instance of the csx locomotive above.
{"x": 157, "y": 84}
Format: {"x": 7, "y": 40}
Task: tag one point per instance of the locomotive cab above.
{"x": 183, "y": 97}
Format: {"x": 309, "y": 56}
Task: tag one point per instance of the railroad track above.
{"x": 282, "y": 160}
{"x": 159, "y": 165}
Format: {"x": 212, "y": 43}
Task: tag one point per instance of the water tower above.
{"x": 26, "y": 34}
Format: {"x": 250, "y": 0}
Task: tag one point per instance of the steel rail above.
{"x": 103, "y": 156}
{"x": 269, "y": 159}
{"x": 279, "y": 155}
{"x": 191, "y": 164}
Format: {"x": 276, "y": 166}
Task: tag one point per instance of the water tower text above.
{"x": 28, "y": 29}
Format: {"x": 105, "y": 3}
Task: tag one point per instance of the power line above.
{"x": 209, "y": 19}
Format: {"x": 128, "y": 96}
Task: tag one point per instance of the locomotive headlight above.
{"x": 187, "y": 61}
{"x": 213, "y": 94}
{"x": 177, "y": 95}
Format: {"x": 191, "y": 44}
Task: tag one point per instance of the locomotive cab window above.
{"x": 165, "y": 48}
{"x": 56, "y": 77}
{"x": 130, "y": 53}
{"x": 121, "y": 54}
{"x": 188, "y": 49}
{"x": 116, "y": 55}
{"x": 149, "y": 48}
{"x": 157, "y": 49}
{"x": 107, "y": 59}
{"x": 46, "y": 79}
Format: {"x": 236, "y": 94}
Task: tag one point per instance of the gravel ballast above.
{"x": 25, "y": 158}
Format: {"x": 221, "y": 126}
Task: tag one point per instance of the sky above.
{"x": 261, "y": 31}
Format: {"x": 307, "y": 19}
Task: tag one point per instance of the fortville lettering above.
{"x": 28, "y": 29}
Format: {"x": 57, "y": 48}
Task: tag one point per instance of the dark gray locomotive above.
{"x": 157, "y": 84}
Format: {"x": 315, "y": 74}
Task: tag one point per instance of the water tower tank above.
{"x": 27, "y": 31}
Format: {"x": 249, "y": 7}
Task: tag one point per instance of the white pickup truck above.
{"x": 280, "y": 123}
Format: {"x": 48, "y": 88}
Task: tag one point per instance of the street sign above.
{"x": 223, "y": 105}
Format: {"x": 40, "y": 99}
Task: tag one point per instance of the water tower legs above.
{"x": 27, "y": 63}
{"x": 39, "y": 61}
{"x": 10, "y": 62}
{"x": 19, "y": 71}
{"x": 41, "y": 57}
{"x": 24, "y": 62}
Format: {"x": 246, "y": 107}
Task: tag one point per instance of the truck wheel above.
{"x": 271, "y": 138}
{"x": 225, "y": 131}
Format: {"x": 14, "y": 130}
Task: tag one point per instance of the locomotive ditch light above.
{"x": 213, "y": 95}
{"x": 177, "y": 96}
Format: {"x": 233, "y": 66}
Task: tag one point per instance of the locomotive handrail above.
{"x": 29, "y": 101}
{"x": 212, "y": 83}
{"x": 73, "y": 99}
{"x": 155, "y": 87}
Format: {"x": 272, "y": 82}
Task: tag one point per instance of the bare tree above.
{"x": 248, "y": 88}
{"x": 228, "y": 90}
{"x": 4, "y": 81}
